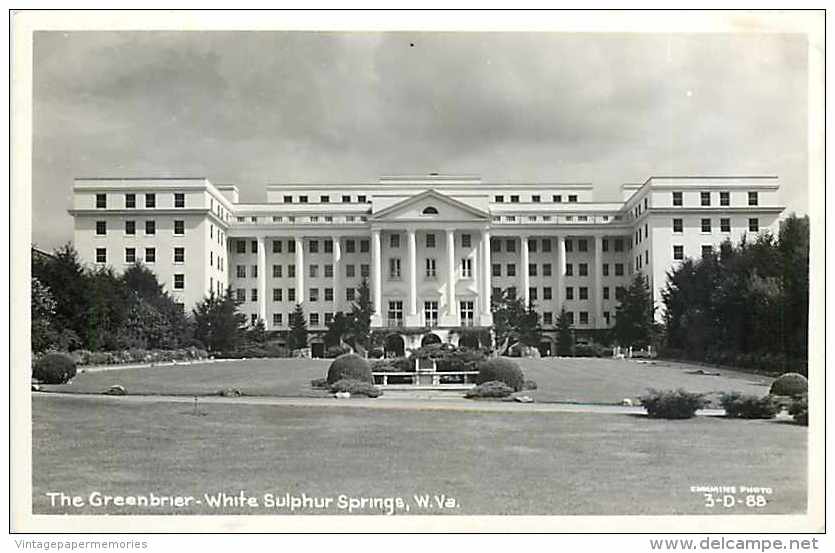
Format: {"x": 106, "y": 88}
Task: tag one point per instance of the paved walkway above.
{"x": 383, "y": 402}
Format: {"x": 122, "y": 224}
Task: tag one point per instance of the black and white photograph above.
{"x": 412, "y": 275}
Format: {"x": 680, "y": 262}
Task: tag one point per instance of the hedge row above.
{"x": 84, "y": 357}
{"x": 766, "y": 363}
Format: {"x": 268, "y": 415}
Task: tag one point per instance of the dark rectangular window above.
{"x": 604, "y": 245}
{"x": 288, "y": 199}
{"x": 546, "y": 293}
{"x": 130, "y": 255}
{"x": 313, "y": 246}
{"x": 179, "y": 227}
{"x": 605, "y": 292}
{"x": 150, "y": 227}
{"x": 514, "y": 199}
{"x": 130, "y": 227}
{"x": 510, "y": 245}
{"x": 179, "y": 199}
{"x": 179, "y": 281}
{"x": 179, "y": 255}
{"x": 511, "y": 269}
{"x": 569, "y": 293}
{"x": 498, "y": 199}
{"x": 101, "y": 200}
{"x": 361, "y": 199}
{"x": 532, "y": 269}
{"x": 365, "y": 245}
{"x": 572, "y": 198}
{"x": 130, "y": 201}
{"x": 724, "y": 198}
{"x": 557, "y": 198}
{"x": 706, "y": 225}
{"x": 276, "y": 246}
{"x": 705, "y": 198}
{"x": 101, "y": 255}
{"x": 302, "y": 199}
{"x": 535, "y": 199}
{"x": 546, "y": 245}
{"x": 328, "y": 246}
{"x": 707, "y": 249}
{"x": 678, "y": 225}
{"x": 584, "y": 317}
{"x": 584, "y": 293}
{"x": 430, "y": 240}
{"x": 346, "y": 199}
{"x": 677, "y": 199}
{"x": 569, "y": 269}
{"x": 618, "y": 244}
{"x": 150, "y": 255}
{"x": 466, "y": 240}
{"x": 753, "y": 224}
{"x": 101, "y": 227}
{"x": 618, "y": 269}
{"x": 582, "y": 245}
{"x": 753, "y": 198}
{"x": 531, "y": 245}
{"x": 150, "y": 200}
{"x": 584, "y": 269}
{"x": 497, "y": 269}
{"x": 678, "y": 252}
{"x": 546, "y": 269}
{"x": 605, "y": 269}
{"x": 725, "y": 225}
{"x": 569, "y": 245}
{"x": 350, "y": 246}
{"x": 240, "y": 246}
{"x": 254, "y": 246}
{"x": 324, "y": 199}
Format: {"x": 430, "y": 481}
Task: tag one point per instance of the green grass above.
{"x": 580, "y": 380}
{"x": 492, "y": 463}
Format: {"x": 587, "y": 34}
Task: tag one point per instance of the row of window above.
{"x": 705, "y": 199}
{"x": 724, "y": 225}
{"x": 313, "y": 271}
{"x": 306, "y": 219}
{"x": 535, "y": 198}
{"x": 150, "y": 200}
{"x": 150, "y": 228}
{"x": 325, "y": 199}
{"x": 582, "y": 244}
{"x": 150, "y": 256}
{"x": 553, "y": 218}
{"x": 678, "y": 251}
{"x": 533, "y": 269}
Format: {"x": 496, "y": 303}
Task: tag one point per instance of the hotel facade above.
{"x": 432, "y": 248}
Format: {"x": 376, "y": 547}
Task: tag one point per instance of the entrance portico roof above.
{"x": 444, "y": 209}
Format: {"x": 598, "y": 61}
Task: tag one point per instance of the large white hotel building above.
{"x": 433, "y": 248}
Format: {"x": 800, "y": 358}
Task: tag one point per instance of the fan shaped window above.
{"x": 430, "y": 210}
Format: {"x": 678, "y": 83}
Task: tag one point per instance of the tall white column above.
{"x": 598, "y": 290}
{"x": 337, "y": 272}
{"x": 376, "y": 278}
{"x": 486, "y": 318}
{"x": 560, "y": 273}
{"x": 262, "y": 279}
{"x": 526, "y": 275}
{"x": 300, "y": 292}
{"x": 451, "y": 315}
{"x": 486, "y": 271}
{"x": 411, "y": 316}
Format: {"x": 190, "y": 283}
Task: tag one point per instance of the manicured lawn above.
{"x": 580, "y": 380}
{"x": 491, "y": 463}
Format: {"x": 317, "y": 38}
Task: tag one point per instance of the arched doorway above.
{"x": 394, "y": 346}
{"x": 469, "y": 340}
{"x": 429, "y": 339}
{"x": 545, "y": 349}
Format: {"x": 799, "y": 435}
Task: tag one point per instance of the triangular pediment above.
{"x": 431, "y": 205}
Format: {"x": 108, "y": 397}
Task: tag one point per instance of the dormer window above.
{"x": 430, "y": 210}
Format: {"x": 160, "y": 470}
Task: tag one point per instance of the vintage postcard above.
{"x": 425, "y": 271}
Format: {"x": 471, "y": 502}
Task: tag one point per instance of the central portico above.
{"x": 430, "y": 259}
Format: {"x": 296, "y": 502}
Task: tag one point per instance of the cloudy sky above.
{"x": 253, "y": 108}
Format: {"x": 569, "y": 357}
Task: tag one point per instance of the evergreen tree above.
{"x": 565, "y": 335}
{"x": 634, "y": 315}
{"x": 65, "y": 278}
{"x": 218, "y": 323}
{"x": 360, "y": 317}
{"x": 513, "y": 321}
{"x": 297, "y": 337}
{"x": 42, "y": 313}
{"x": 257, "y": 333}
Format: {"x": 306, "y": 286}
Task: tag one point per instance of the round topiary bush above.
{"x": 672, "y": 404}
{"x": 790, "y": 384}
{"x": 54, "y": 368}
{"x": 349, "y": 366}
{"x": 503, "y": 370}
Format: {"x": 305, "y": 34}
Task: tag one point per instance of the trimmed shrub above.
{"x": 790, "y": 384}
{"x": 741, "y": 406}
{"x": 493, "y": 388}
{"x": 319, "y": 383}
{"x": 355, "y": 388}
{"x": 349, "y": 366}
{"x": 672, "y": 404}
{"x": 530, "y": 385}
{"x": 54, "y": 368}
{"x": 799, "y": 409}
{"x": 503, "y": 370}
